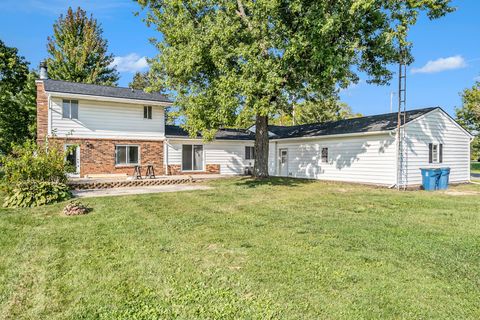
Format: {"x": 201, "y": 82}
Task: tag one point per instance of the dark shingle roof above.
{"x": 381, "y": 122}
{"x": 222, "y": 134}
{"x": 104, "y": 91}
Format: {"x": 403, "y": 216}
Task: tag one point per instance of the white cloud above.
{"x": 442, "y": 64}
{"x": 130, "y": 63}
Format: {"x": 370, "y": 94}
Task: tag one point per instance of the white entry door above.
{"x": 283, "y": 162}
{"x": 73, "y": 158}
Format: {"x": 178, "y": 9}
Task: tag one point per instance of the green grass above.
{"x": 283, "y": 249}
{"x": 475, "y": 167}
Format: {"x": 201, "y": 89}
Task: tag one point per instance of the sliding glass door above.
{"x": 192, "y": 157}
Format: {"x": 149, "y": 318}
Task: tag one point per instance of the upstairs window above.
{"x": 249, "y": 153}
{"x": 324, "y": 155}
{"x": 70, "y": 109}
{"x": 147, "y": 112}
{"x": 126, "y": 155}
{"x": 435, "y": 154}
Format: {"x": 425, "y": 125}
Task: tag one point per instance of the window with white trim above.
{"x": 147, "y": 112}
{"x": 192, "y": 157}
{"x": 249, "y": 153}
{"x": 126, "y": 155}
{"x": 435, "y": 153}
{"x": 70, "y": 109}
{"x": 324, "y": 155}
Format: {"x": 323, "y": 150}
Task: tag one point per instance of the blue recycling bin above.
{"x": 430, "y": 177}
{"x": 443, "y": 179}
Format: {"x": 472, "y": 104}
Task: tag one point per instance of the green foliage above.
{"x": 315, "y": 112}
{"x": 475, "y": 167}
{"x": 38, "y": 163}
{"x": 35, "y": 175}
{"x": 469, "y": 115}
{"x": 36, "y": 193}
{"x": 17, "y": 99}
{"x": 78, "y": 52}
{"x": 140, "y": 81}
{"x": 233, "y": 61}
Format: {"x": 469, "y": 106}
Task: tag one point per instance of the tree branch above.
{"x": 241, "y": 13}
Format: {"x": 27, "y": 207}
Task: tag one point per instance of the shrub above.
{"x": 36, "y": 193}
{"x": 35, "y": 175}
{"x": 31, "y": 162}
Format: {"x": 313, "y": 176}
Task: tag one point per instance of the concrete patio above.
{"x": 135, "y": 190}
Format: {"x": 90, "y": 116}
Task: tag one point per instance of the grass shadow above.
{"x": 272, "y": 181}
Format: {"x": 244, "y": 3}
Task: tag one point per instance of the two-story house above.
{"x": 114, "y": 129}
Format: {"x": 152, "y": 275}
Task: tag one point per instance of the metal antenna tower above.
{"x": 402, "y": 174}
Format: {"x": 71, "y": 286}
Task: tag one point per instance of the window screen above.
{"x": 187, "y": 157}
{"x": 147, "y": 112}
{"x": 435, "y": 153}
{"x": 70, "y": 109}
{"x": 127, "y": 155}
{"x": 324, "y": 155}
{"x": 249, "y": 153}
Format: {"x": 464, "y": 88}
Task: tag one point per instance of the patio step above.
{"x": 109, "y": 184}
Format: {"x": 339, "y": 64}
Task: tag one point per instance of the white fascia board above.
{"x": 342, "y": 135}
{"x": 174, "y": 139}
{"x": 123, "y": 138}
{"x": 107, "y": 99}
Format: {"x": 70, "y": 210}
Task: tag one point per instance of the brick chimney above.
{"x": 42, "y": 104}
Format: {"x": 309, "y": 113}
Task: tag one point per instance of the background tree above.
{"x": 17, "y": 99}
{"x": 469, "y": 116}
{"x": 140, "y": 81}
{"x": 314, "y": 112}
{"x": 77, "y": 51}
{"x": 231, "y": 61}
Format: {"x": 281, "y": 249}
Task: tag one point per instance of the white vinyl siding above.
{"x": 108, "y": 120}
{"x": 368, "y": 159}
{"x": 229, "y": 155}
{"x": 437, "y": 128}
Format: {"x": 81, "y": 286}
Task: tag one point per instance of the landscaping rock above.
{"x": 76, "y": 208}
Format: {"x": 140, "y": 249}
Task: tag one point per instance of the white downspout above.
{"x": 49, "y": 116}
{"x": 165, "y": 156}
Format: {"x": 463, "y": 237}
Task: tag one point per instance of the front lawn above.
{"x": 283, "y": 249}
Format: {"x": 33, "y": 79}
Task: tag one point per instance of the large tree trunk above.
{"x": 260, "y": 169}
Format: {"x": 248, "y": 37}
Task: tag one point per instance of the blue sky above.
{"x": 446, "y": 51}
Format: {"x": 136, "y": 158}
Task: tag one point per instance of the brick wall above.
{"x": 176, "y": 169}
{"x": 42, "y": 112}
{"x": 97, "y": 156}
